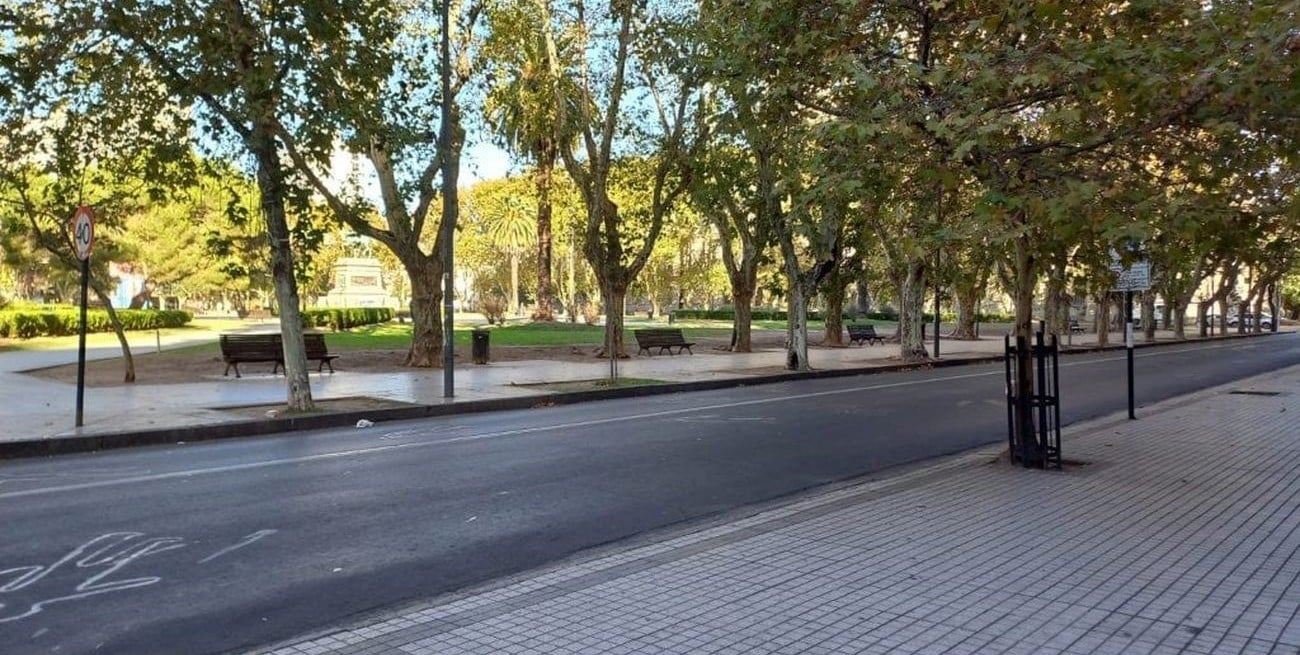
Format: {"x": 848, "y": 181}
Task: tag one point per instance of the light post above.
{"x": 448, "y": 226}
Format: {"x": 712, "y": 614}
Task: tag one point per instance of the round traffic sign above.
{"x": 83, "y": 232}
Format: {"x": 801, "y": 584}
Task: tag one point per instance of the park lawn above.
{"x": 392, "y": 336}
{"x": 397, "y": 336}
{"x": 140, "y": 339}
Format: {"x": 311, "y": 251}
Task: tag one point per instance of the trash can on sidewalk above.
{"x": 479, "y": 348}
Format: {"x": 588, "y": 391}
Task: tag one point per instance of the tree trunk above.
{"x": 270, "y": 182}
{"x": 834, "y": 317}
{"x": 796, "y": 355}
{"x": 514, "y": 284}
{"x": 1103, "y": 319}
{"x": 1055, "y": 309}
{"x": 1149, "y": 316}
{"x": 426, "y": 316}
{"x": 545, "y": 287}
{"x": 796, "y": 343}
{"x": 861, "y": 298}
{"x": 614, "y": 298}
{"x": 742, "y": 299}
{"x": 1179, "y": 319}
{"x": 1026, "y": 434}
{"x": 967, "y": 306}
{"x": 127, "y": 358}
{"x": 911, "y": 317}
{"x": 573, "y": 281}
{"x": 1272, "y": 306}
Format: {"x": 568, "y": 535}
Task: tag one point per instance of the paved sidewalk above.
{"x": 40, "y": 409}
{"x": 1180, "y": 535}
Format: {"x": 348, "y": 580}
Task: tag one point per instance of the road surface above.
{"x": 218, "y": 547}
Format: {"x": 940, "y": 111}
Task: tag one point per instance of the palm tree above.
{"x": 521, "y": 108}
{"x": 510, "y": 229}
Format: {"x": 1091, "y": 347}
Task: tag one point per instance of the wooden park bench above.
{"x": 665, "y": 339}
{"x": 1075, "y": 327}
{"x": 314, "y": 342}
{"x": 861, "y": 334}
{"x": 246, "y": 348}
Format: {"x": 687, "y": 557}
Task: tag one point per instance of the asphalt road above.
{"x": 217, "y": 547}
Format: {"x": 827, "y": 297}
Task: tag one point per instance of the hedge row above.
{"x": 25, "y": 324}
{"x": 346, "y": 317}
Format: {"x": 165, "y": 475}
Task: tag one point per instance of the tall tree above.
{"x": 649, "y": 54}
{"x": 523, "y": 107}
{"x": 415, "y": 166}
{"x": 510, "y": 229}
{"x": 63, "y": 145}
{"x": 247, "y": 69}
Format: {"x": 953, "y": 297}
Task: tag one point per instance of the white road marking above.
{"x": 244, "y": 542}
{"x": 110, "y": 552}
{"x": 546, "y": 428}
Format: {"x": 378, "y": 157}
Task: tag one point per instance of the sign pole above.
{"x": 938, "y": 297}
{"x": 83, "y": 239}
{"x": 81, "y": 343}
{"x": 1134, "y": 277}
{"x": 1128, "y": 343}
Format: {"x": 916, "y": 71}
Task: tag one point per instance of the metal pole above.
{"x": 448, "y": 331}
{"x": 609, "y": 338}
{"x": 1128, "y": 343}
{"x": 937, "y": 254}
{"x": 81, "y": 343}
{"x": 448, "y": 284}
{"x": 938, "y": 294}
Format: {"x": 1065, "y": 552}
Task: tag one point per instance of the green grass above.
{"x": 397, "y": 336}
{"x": 393, "y": 336}
{"x": 197, "y": 328}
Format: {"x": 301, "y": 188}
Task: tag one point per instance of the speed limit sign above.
{"x": 83, "y": 232}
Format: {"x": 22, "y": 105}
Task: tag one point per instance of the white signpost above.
{"x": 83, "y": 232}
{"x": 1134, "y": 277}
{"x": 83, "y": 241}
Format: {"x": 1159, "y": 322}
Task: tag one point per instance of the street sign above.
{"x": 83, "y": 232}
{"x": 1135, "y": 277}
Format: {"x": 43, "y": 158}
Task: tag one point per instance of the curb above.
{"x": 51, "y": 446}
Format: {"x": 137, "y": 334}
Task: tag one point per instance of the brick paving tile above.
{"x": 1180, "y": 535}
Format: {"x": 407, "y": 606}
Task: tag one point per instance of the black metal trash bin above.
{"x": 479, "y": 346}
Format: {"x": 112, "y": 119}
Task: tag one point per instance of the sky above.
{"x": 479, "y": 161}
{"x": 483, "y": 161}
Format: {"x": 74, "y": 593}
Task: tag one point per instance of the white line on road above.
{"x": 99, "y": 484}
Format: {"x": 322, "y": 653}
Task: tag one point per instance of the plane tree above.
{"x": 633, "y": 66}
{"x": 63, "y": 146}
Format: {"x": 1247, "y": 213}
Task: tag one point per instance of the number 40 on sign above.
{"x": 83, "y": 232}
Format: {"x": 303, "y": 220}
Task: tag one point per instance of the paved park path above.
{"x": 1181, "y": 534}
{"x": 37, "y": 408}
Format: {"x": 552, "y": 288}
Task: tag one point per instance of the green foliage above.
{"x": 26, "y": 324}
{"x": 346, "y": 317}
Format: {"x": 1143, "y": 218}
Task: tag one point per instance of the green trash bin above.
{"x": 479, "y": 346}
